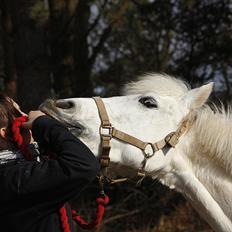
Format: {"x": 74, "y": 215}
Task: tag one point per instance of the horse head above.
{"x": 150, "y": 109}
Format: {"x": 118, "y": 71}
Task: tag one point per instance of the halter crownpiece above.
{"x": 107, "y": 132}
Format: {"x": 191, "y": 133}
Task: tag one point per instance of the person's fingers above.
{"x": 35, "y": 114}
{"x": 31, "y": 117}
{"x": 27, "y": 125}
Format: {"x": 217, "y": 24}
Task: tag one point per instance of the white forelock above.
{"x": 161, "y": 84}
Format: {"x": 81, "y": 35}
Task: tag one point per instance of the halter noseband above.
{"x": 107, "y": 132}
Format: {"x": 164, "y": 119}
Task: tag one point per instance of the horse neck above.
{"x": 206, "y": 150}
{"x": 210, "y": 140}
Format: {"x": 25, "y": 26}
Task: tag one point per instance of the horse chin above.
{"x": 51, "y": 110}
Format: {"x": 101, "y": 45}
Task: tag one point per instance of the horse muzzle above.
{"x": 62, "y": 110}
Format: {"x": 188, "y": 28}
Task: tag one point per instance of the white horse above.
{"x": 199, "y": 166}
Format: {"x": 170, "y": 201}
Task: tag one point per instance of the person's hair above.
{"x": 7, "y": 114}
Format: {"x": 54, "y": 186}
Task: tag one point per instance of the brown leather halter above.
{"x": 107, "y": 132}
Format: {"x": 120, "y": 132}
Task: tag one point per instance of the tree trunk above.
{"x": 8, "y": 68}
{"x": 82, "y": 85}
{"x": 2, "y": 64}
{"x": 32, "y": 59}
{"x": 69, "y": 49}
{"x": 60, "y": 39}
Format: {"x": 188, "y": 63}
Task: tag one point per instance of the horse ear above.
{"x": 197, "y": 97}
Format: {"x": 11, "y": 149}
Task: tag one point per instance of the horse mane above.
{"x": 161, "y": 84}
{"x": 212, "y": 131}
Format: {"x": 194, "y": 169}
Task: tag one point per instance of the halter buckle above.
{"x": 171, "y": 139}
{"x": 149, "y": 150}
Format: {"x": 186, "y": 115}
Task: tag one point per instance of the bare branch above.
{"x": 97, "y": 18}
{"x": 101, "y": 42}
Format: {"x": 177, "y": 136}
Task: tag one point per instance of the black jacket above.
{"x": 31, "y": 192}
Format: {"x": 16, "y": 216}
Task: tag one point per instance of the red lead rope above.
{"x": 102, "y": 200}
{"x": 18, "y": 138}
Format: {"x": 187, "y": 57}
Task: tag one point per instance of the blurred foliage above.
{"x": 189, "y": 39}
{"x": 39, "y": 13}
{"x": 72, "y": 48}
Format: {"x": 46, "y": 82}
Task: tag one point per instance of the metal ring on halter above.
{"x": 146, "y": 152}
{"x": 106, "y": 131}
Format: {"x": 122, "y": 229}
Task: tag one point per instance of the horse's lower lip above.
{"x": 77, "y": 126}
{"x": 75, "y": 131}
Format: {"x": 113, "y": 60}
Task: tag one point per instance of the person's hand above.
{"x": 31, "y": 118}
{"x": 27, "y": 136}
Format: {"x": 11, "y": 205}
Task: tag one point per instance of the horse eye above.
{"x": 149, "y": 102}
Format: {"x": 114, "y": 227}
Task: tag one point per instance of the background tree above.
{"x": 190, "y": 39}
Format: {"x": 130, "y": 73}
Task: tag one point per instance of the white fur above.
{"x": 200, "y": 165}
{"x": 158, "y": 83}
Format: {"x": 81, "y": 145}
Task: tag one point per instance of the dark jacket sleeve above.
{"x": 74, "y": 157}
{"x": 47, "y": 185}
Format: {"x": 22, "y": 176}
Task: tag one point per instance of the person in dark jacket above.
{"x": 32, "y": 192}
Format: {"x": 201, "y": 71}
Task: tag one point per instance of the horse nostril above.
{"x": 63, "y": 104}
